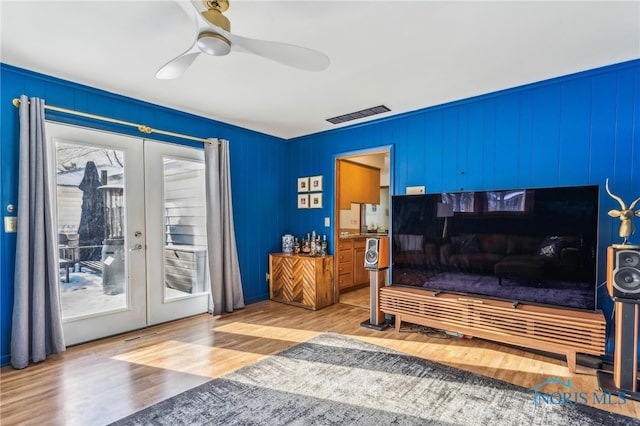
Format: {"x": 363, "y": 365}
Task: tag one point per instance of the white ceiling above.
{"x": 405, "y": 55}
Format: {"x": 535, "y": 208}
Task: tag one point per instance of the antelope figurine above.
{"x": 625, "y": 214}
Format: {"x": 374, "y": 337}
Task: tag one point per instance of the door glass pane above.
{"x": 185, "y": 232}
{"x": 90, "y": 206}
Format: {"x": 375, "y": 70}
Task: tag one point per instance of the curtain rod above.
{"x": 141, "y": 127}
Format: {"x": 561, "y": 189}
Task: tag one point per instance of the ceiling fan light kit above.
{"x": 214, "y": 38}
{"x": 213, "y": 44}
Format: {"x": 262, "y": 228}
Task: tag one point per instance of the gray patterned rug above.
{"x": 336, "y": 380}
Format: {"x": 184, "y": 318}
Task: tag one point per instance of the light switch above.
{"x": 10, "y": 224}
{"x": 327, "y": 222}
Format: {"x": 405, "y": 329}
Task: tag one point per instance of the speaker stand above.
{"x": 606, "y": 384}
{"x": 624, "y": 377}
{"x": 376, "y": 321}
{"x": 378, "y": 327}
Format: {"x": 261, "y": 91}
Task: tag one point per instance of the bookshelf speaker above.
{"x": 377, "y": 253}
{"x": 623, "y": 272}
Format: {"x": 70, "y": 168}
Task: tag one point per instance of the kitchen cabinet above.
{"x": 358, "y": 183}
{"x": 360, "y": 274}
{"x": 350, "y": 262}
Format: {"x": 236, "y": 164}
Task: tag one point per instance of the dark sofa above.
{"x": 517, "y": 256}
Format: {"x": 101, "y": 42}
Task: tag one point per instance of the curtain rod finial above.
{"x": 16, "y": 102}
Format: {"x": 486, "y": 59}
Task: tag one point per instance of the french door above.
{"x": 176, "y": 232}
{"x": 120, "y": 213}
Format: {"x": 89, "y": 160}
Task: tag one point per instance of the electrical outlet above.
{"x": 10, "y": 224}
{"x": 415, "y": 190}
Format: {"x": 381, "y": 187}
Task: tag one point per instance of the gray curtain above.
{"x": 37, "y": 320}
{"x": 224, "y": 269}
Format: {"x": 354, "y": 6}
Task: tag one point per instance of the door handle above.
{"x": 137, "y": 247}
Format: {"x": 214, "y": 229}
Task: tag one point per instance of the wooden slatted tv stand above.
{"x": 554, "y": 330}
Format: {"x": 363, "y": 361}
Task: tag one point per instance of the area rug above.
{"x": 336, "y": 380}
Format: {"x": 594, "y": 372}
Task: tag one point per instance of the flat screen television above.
{"x": 535, "y": 246}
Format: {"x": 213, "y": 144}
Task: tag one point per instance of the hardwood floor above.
{"x": 358, "y": 297}
{"x": 100, "y": 382}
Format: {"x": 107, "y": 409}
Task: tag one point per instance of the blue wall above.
{"x": 258, "y": 167}
{"x": 574, "y": 130}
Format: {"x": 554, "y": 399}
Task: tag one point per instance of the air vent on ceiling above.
{"x": 358, "y": 114}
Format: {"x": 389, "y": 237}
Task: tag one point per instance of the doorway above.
{"x": 355, "y": 221}
{"x": 131, "y": 237}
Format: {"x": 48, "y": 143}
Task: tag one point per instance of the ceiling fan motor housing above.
{"x": 221, "y": 5}
{"x": 210, "y": 42}
{"x": 218, "y": 19}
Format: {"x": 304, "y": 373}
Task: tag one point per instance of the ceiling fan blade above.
{"x": 193, "y": 10}
{"x": 287, "y": 54}
{"x": 178, "y": 65}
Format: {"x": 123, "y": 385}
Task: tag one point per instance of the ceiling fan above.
{"x": 214, "y": 37}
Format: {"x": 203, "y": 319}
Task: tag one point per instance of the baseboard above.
{"x": 256, "y": 299}
{"x": 5, "y": 360}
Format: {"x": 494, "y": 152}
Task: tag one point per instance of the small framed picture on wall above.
{"x": 315, "y": 201}
{"x": 303, "y": 184}
{"x": 315, "y": 183}
{"x": 303, "y": 201}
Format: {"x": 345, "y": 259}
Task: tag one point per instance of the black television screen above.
{"x": 534, "y": 246}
